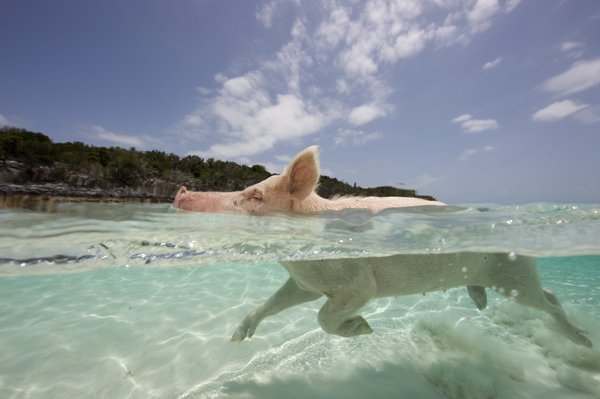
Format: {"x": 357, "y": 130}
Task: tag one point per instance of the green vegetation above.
{"x": 46, "y": 161}
{"x": 120, "y": 167}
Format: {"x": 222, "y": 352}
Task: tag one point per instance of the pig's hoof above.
{"x": 354, "y": 326}
{"x": 579, "y": 338}
{"x": 239, "y": 335}
{"x": 245, "y": 330}
{"x": 478, "y": 296}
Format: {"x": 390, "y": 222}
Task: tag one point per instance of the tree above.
{"x": 125, "y": 169}
{"x": 30, "y": 148}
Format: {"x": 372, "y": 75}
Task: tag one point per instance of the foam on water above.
{"x": 160, "y": 292}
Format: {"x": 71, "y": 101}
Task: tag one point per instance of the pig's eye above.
{"x": 255, "y": 195}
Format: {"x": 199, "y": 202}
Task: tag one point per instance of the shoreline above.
{"x": 45, "y": 196}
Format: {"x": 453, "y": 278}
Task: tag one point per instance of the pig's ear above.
{"x": 303, "y": 173}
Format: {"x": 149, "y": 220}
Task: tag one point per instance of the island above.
{"x": 36, "y": 173}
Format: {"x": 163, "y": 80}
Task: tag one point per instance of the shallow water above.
{"x": 140, "y": 301}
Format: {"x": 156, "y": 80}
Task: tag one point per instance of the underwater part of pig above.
{"x": 292, "y": 191}
{"x": 349, "y": 284}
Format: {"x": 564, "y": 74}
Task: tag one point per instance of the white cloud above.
{"x": 565, "y": 47}
{"x": 283, "y": 158}
{"x": 385, "y": 31}
{"x": 557, "y": 110}
{"x": 266, "y": 12}
{"x": 479, "y": 125}
{"x": 511, "y": 5}
{"x": 468, "y": 153}
{"x": 205, "y": 91}
{"x": 358, "y": 61}
{"x": 342, "y": 86}
{"x": 240, "y": 86}
{"x": 492, "y": 64}
{"x": 446, "y": 33}
{"x": 480, "y": 15}
{"x": 472, "y": 125}
{"x": 424, "y": 180}
{"x": 406, "y": 45}
{"x": 588, "y": 115}
{"x": 253, "y": 123}
{"x": 462, "y": 118}
{"x": 338, "y": 55}
{"x": 121, "y": 139}
{"x": 220, "y": 78}
{"x": 581, "y": 76}
{"x": 364, "y": 114}
{"x": 572, "y": 49}
{"x": 334, "y": 30}
{"x": 354, "y": 137}
{"x": 291, "y": 62}
{"x": 4, "y": 121}
{"x": 193, "y": 120}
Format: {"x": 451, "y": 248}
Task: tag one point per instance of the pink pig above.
{"x": 292, "y": 191}
{"x": 348, "y": 284}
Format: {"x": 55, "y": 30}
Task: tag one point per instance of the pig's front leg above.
{"x": 287, "y": 296}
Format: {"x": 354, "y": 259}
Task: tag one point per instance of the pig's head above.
{"x": 278, "y": 193}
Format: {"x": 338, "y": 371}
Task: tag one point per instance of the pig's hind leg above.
{"x": 478, "y": 296}
{"x": 547, "y": 301}
{"x": 571, "y": 331}
{"x": 338, "y": 314}
{"x": 521, "y": 282}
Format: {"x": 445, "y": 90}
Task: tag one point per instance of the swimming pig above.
{"x": 349, "y": 284}
{"x": 292, "y": 191}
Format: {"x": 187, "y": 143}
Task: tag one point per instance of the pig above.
{"x": 349, "y": 283}
{"x": 292, "y": 191}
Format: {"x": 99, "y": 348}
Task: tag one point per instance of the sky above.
{"x": 471, "y": 101}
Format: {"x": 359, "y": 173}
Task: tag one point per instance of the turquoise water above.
{"x": 140, "y": 301}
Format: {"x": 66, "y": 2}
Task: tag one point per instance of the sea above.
{"x": 140, "y": 301}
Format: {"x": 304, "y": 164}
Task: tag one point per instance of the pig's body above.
{"x": 349, "y": 284}
{"x": 224, "y": 202}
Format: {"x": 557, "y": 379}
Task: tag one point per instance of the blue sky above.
{"x": 470, "y": 101}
